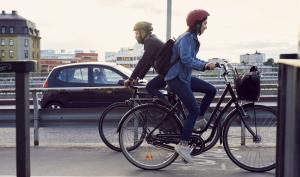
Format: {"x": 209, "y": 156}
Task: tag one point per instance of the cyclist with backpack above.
{"x": 181, "y": 82}
{"x": 152, "y": 46}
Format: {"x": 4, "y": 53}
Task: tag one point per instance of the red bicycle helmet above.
{"x": 195, "y": 16}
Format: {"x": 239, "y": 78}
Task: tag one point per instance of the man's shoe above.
{"x": 200, "y": 124}
{"x": 185, "y": 152}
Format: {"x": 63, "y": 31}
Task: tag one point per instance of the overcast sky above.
{"x": 235, "y": 27}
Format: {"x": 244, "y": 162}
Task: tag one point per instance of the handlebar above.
{"x": 226, "y": 66}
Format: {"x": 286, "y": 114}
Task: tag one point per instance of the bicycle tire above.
{"x": 262, "y": 120}
{"x": 134, "y": 121}
{"x": 108, "y": 123}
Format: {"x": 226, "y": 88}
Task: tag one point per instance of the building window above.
{"x": 3, "y": 29}
{"x": 11, "y": 30}
{"x": 26, "y": 42}
{"x": 11, "y": 53}
{"x": 26, "y": 54}
{"x": 25, "y": 30}
{"x": 3, "y": 42}
{"x": 2, "y": 53}
{"x": 11, "y": 42}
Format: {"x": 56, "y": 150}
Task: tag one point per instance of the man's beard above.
{"x": 140, "y": 41}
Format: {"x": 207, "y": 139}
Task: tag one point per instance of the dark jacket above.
{"x": 152, "y": 46}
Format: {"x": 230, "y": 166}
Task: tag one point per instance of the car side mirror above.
{"x": 121, "y": 82}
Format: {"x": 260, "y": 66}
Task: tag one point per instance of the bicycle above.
{"x": 110, "y": 117}
{"x": 247, "y": 129}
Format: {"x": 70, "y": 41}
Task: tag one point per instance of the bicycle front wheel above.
{"x": 253, "y": 152}
{"x": 108, "y": 124}
{"x": 143, "y": 137}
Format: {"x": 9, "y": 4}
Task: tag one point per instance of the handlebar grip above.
{"x": 217, "y": 65}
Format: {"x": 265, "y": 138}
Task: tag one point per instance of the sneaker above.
{"x": 185, "y": 152}
{"x": 200, "y": 124}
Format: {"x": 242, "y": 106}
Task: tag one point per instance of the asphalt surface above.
{"x": 78, "y": 151}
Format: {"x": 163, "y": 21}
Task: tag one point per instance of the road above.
{"x": 78, "y": 151}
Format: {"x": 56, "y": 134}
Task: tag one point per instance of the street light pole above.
{"x": 169, "y": 14}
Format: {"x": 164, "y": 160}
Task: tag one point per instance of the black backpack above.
{"x": 162, "y": 63}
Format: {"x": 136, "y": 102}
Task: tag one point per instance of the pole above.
{"x": 169, "y": 15}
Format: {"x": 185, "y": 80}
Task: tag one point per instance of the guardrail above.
{"x": 37, "y": 79}
{"x": 82, "y": 116}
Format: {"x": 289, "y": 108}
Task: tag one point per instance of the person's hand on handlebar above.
{"x": 130, "y": 82}
{"x": 210, "y": 66}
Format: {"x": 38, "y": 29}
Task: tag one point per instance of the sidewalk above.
{"x": 100, "y": 161}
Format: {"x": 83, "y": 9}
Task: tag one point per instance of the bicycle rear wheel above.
{"x": 143, "y": 128}
{"x": 253, "y": 153}
{"x": 108, "y": 124}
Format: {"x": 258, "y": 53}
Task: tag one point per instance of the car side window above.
{"x": 74, "y": 75}
{"x": 106, "y": 76}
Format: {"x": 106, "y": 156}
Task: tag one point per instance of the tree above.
{"x": 270, "y": 62}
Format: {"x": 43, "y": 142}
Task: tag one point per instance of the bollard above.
{"x": 22, "y": 69}
{"x": 288, "y": 129}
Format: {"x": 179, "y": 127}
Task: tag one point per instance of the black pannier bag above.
{"x": 247, "y": 85}
{"x": 162, "y": 63}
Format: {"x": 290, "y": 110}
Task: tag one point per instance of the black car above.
{"x": 74, "y": 76}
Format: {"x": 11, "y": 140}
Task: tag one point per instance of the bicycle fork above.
{"x": 244, "y": 125}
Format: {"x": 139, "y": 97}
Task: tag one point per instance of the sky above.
{"x": 235, "y": 27}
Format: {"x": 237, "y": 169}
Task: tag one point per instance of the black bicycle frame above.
{"x": 216, "y": 124}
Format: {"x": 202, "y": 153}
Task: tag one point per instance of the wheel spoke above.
{"x": 253, "y": 155}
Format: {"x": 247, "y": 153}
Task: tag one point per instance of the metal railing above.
{"x": 82, "y": 116}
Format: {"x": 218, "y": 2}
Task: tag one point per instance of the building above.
{"x": 217, "y": 60}
{"x": 253, "y": 59}
{"x": 86, "y": 57}
{"x": 19, "y": 38}
{"x": 111, "y": 57}
{"x": 127, "y": 57}
{"x": 52, "y": 58}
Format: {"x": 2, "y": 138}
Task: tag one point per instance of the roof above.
{"x": 13, "y": 16}
{"x": 18, "y": 23}
{"x": 89, "y": 63}
{"x": 86, "y": 54}
{"x": 113, "y": 65}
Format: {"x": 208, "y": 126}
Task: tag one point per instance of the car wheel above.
{"x": 54, "y": 105}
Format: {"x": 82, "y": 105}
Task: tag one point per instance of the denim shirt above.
{"x": 185, "y": 48}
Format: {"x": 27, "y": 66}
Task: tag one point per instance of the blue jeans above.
{"x": 184, "y": 91}
{"x": 155, "y": 85}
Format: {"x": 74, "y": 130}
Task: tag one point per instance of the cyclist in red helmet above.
{"x": 180, "y": 81}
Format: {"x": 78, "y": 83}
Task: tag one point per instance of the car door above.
{"x": 107, "y": 78}
{"x": 77, "y": 77}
